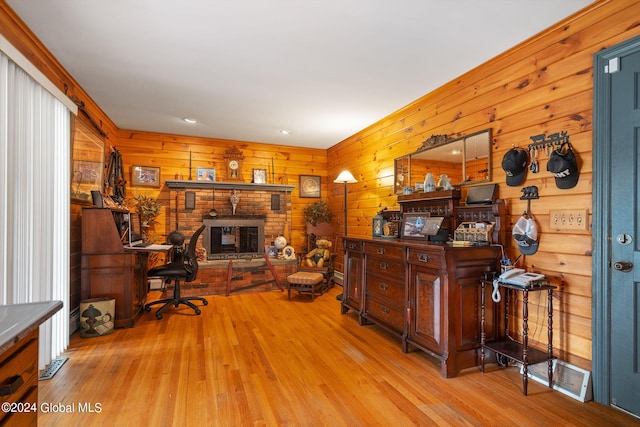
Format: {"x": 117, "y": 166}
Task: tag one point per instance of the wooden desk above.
{"x": 109, "y": 269}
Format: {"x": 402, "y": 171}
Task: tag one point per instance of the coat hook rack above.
{"x": 548, "y": 142}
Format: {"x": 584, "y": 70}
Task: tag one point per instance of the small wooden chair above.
{"x": 324, "y": 231}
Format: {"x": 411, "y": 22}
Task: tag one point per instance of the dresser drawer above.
{"x": 19, "y": 377}
{"x": 386, "y": 267}
{"x": 426, "y": 258}
{"x": 388, "y": 315}
{"x": 386, "y": 251}
{"x": 353, "y": 245}
{"x": 382, "y": 287}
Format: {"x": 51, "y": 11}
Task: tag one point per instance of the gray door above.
{"x": 623, "y": 272}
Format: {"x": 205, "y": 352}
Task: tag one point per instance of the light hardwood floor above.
{"x": 258, "y": 359}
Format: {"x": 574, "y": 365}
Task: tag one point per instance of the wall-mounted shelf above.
{"x": 184, "y": 184}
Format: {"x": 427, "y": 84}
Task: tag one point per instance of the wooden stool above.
{"x": 305, "y": 281}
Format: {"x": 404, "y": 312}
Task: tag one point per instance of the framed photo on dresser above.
{"x": 419, "y": 225}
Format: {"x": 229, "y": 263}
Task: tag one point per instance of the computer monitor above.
{"x": 482, "y": 194}
{"x": 135, "y": 229}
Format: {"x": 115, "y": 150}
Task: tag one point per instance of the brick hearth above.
{"x": 248, "y": 276}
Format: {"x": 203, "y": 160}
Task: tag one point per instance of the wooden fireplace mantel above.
{"x": 185, "y": 184}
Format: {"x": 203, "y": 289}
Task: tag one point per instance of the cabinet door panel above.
{"x": 354, "y": 281}
{"x": 427, "y": 327}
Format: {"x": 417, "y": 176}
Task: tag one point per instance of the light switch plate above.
{"x": 569, "y": 219}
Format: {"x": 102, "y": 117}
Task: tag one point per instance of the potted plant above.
{"x": 317, "y": 213}
{"x": 318, "y": 219}
{"x": 149, "y": 209}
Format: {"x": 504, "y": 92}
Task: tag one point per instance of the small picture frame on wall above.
{"x": 309, "y": 186}
{"x": 145, "y": 176}
{"x": 206, "y": 174}
{"x": 259, "y": 176}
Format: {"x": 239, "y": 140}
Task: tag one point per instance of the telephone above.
{"x": 518, "y": 277}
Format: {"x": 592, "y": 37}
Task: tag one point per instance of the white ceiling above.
{"x": 245, "y": 69}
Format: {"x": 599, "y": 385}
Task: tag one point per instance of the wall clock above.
{"x": 233, "y": 159}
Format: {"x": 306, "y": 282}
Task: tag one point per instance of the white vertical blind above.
{"x": 35, "y": 150}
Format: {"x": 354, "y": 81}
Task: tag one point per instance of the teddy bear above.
{"x": 319, "y": 256}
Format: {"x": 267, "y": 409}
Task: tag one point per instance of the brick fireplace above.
{"x": 260, "y": 216}
{"x": 234, "y": 237}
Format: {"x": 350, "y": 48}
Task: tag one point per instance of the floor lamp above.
{"x": 346, "y": 178}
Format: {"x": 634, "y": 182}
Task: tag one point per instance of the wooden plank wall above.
{"x": 544, "y": 85}
{"x": 173, "y": 153}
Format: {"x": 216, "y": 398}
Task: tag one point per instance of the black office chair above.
{"x": 184, "y": 267}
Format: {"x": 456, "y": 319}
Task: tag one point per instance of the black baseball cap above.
{"x": 514, "y": 164}
{"x": 564, "y": 167}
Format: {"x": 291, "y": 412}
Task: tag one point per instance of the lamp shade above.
{"x": 346, "y": 177}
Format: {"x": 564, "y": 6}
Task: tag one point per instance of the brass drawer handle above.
{"x": 423, "y": 257}
{"x": 380, "y": 251}
{"x": 352, "y": 246}
{"x": 383, "y": 286}
{"x": 384, "y": 309}
{"x": 384, "y": 265}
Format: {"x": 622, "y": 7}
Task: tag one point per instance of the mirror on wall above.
{"x": 464, "y": 160}
{"x": 87, "y": 161}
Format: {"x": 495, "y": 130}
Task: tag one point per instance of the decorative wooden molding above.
{"x": 434, "y": 141}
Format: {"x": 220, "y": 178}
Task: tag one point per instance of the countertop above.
{"x": 18, "y": 320}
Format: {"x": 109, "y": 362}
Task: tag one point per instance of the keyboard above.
{"x": 141, "y": 245}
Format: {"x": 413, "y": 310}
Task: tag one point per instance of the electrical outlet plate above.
{"x": 569, "y": 219}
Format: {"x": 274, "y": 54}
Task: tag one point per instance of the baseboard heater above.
{"x": 338, "y": 278}
{"x": 74, "y": 321}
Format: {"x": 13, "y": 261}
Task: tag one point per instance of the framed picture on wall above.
{"x": 309, "y": 186}
{"x": 259, "y": 176}
{"x": 206, "y": 174}
{"x": 87, "y": 155}
{"x": 145, "y": 176}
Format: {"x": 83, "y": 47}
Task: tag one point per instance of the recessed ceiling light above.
{"x": 190, "y": 120}
{"x": 285, "y": 132}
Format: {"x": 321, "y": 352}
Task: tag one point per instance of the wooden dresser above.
{"x": 426, "y": 293}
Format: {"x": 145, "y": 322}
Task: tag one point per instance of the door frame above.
{"x": 601, "y": 209}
